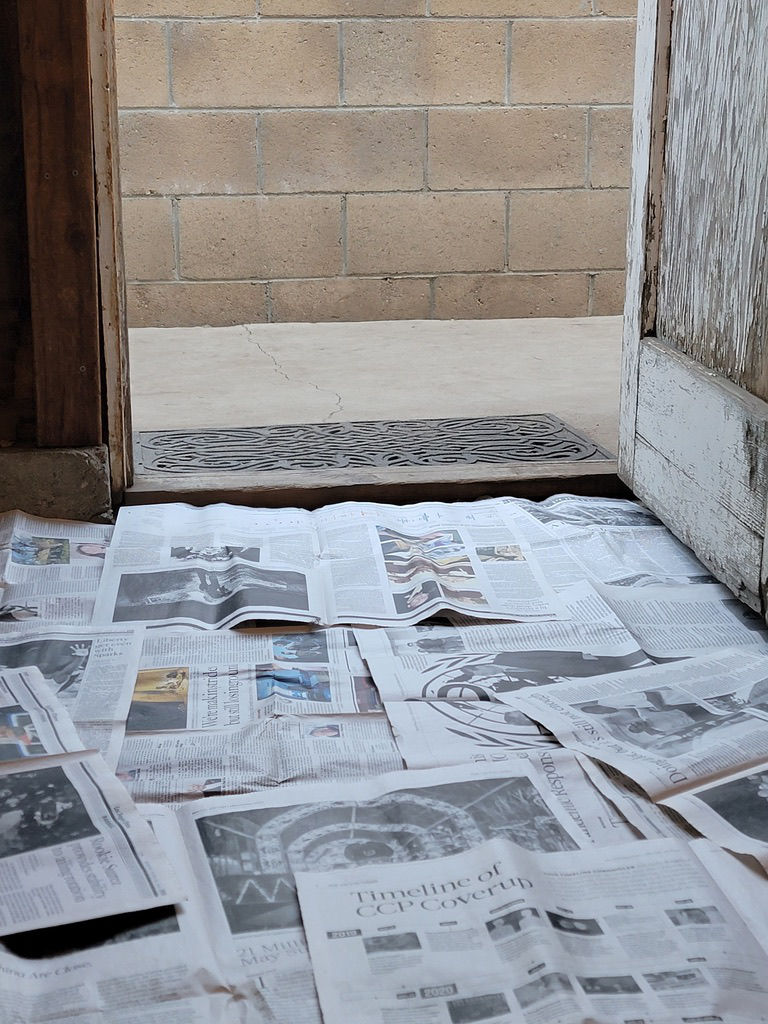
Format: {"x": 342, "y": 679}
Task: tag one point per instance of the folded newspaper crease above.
{"x": 575, "y": 701}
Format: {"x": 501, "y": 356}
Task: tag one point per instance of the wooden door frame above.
{"x": 705, "y": 474}
{"x": 653, "y": 52}
{"x": 76, "y": 269}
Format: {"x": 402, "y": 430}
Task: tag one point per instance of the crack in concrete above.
{"x": 336, "y": 411}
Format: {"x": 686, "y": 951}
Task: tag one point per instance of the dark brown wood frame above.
{"x": 77, "y": 291}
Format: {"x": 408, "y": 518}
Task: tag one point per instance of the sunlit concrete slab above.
{"x": 308, "y": 373}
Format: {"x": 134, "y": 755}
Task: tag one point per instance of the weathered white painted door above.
{"x": 694, "y": 414}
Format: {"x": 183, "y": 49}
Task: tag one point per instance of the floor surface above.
{"x": 259, "y": 374}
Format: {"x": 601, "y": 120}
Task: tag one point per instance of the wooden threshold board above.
{"x": 309, "y": 465}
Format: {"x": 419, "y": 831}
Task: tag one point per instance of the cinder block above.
{"x": 350, "y": 299}
{"x": 178, "y": 152}
{"x": 512, "y": 148}
{"x": 610, "y": 147}
{"x": 512, "y": 8}
{"x": 340, "y": 8}
{"x": 581, "y": 61}
{"x": 608, "y": 293}
{"x": 573, "y": 230}
{"x": 148, "y": 239}
{"x": 414, "y": 62}
{"x": 142, "y": 64}
{"x": 617, "y": 8}
{"x": 197, "y": 304}
{"x": 260, "y": 237}
{"x": 342, "y": 150}
{"x": 187, "y": 8}
{"x": 423, "y": 233}
{"x": 251, "y": 64}
{"x": 495, "y": 296}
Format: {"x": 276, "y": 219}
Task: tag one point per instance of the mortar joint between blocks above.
{"x": 176, "y": 237}
{"x": 508, "y": 65}
{"x": 426, "y": 187}
{"x": 169, "y": 62}
{"x": 342, "y": 82}
{"x": 344, "y": 238}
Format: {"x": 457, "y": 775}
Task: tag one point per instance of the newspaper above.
{"x": 742, "y": 880}
{"x": 73, "y": 847}
{"x": 494, "y": 933}
{"x": 667, "y": 727}
{"x": 481, "y": 662}
{"x": 49, "y": 570}
{"x": 245, "y": 849}
{"x": 685, "y": 620}
{"x": 434, "y": 733}
{"x": 274, "y": 751}
{"x": 148, "y": 967}
{"x": 652, "y": 821}
{"x": 196, "y": 680}
{"x": 33, "y": 722}
{"x": 116, "y": 678}
{"x": 92, "y": 673}
{"x": 693, "y": 736}
{"x": 212, "y": 567}
{"x": 733, "y": 813}
{"x": 563, "y": 514}
{"x": 630, "y": 557}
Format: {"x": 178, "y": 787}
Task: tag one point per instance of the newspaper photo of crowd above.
{"x": 436, "y": 763}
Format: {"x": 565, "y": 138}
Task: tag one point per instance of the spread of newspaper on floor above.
{"x": 499, "y": 762}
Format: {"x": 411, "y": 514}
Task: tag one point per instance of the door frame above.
{"x": 74, "y": 230}
{"x": 692, "y": 444}
{"x": 649, "y": 119}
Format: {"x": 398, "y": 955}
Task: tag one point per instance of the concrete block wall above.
{"x": 309, "y": 160}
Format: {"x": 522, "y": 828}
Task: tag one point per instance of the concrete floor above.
{"x": 405, "y": 369}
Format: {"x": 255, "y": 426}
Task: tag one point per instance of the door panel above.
{"x": 701, "y": 461}
{"x": 694, "y": 426}
{"x": 713, "y": 289}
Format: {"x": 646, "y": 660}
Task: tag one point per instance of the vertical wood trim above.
{"x": 114, "y": 323}
{"x": 61, "y": 226}
{"x": 17, "y": 391}
{"x": 654, "y": 29}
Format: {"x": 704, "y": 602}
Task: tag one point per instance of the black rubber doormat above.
{"x": 380, "y": 443}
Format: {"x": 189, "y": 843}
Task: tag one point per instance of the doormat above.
{"x": 380, "y": 443}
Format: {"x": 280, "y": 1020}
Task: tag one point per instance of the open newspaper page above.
{"x": 496, "y": 934}
{"x": 668, "y": 727}
{"x": 629, "y": 557}
{"x": 148, "y": 967}
{"x": 733, "y": 813}
{"x": 91, "y": 671}
{"x": 175, "y": 565}
{"x": 73, "y": 847}
{"x": 246, "y": 849}
{"x": 563, "y": 514}
{"x": 196, "y": 680}
{"x": 652, "y": 821}
{"x": 390, "y": 564}
{"x": 743, "y": 881}
{"x": 273, "y": 751}
{"x": 480, "y": 662}
{"x": 679, "y": 621}
{"x": 349, "y": 563}
{"x": 434, "y": 733}
{"x": 33, "y": 722}
{"x": 49, "y": 570}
